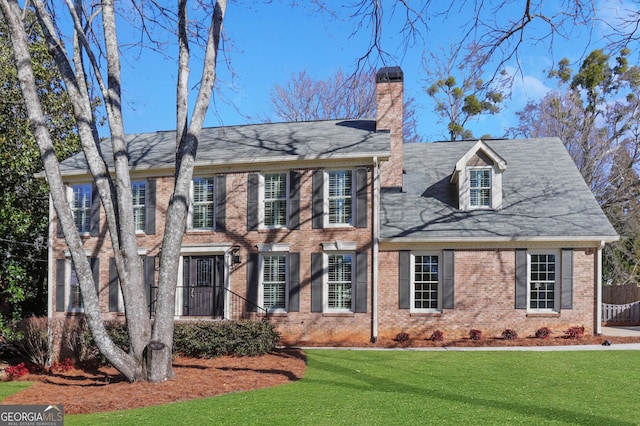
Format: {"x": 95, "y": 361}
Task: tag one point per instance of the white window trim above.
{"x": 70, "y": 200}
{"x": 412, "y": 300}
{"x": 491, "y": 186}
{"x": 144, "y": 206}
{"x": 261, "y": 200}
{"x": 325, "y": 282}
{"x": 191, "y": 206}
{"x": 286, "y": 281}
{"x": 556, "y": 286}
{"x": 325, "y": 198}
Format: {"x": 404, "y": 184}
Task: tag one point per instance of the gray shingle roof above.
{"x": 544, "y": 196}
{"x": 251, "y": 143}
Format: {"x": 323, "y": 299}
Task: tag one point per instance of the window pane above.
{"x": 81, "y": 207}
{"x": 542, "y": 281}
{"x": 425, "y": 282}
{"x": 274, "y": 281}
{"x": 339, "y": 281}
{"x": 139, "y": 211}
{"x": 74, "y": 287}
{"x": 275, "y": 199}
{"x": 340, "y": 199}
{"x": 480, "y": 187}
{"x": 202, "y": 203}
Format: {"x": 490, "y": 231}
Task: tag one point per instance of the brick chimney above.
{"x": 389, "y": 112}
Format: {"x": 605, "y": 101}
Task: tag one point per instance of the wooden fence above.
{"x": 620, "y": 294}
{"x": 625, "y": 314}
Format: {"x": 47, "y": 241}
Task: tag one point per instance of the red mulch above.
{"x": 94, "y": 390}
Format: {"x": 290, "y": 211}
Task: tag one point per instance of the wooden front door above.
{"x": 204, "y": 286}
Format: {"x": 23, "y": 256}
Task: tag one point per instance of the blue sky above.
{"x": 268, "y": 41}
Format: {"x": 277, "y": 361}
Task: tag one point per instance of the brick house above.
{"x": 342, "y": 233}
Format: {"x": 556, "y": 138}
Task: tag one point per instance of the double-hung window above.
{"x": 340, "y": 197}
{"x": 81, "y": 207}
{"x": 202, "y": 208}
{"x": 274, "y": 281}
{"x": 274, "y": 200}
{"x": 425, "y": 295}
{"x": 139, "y": 190}
{"x": 75, "y": 295}
{"x": 480, "y": 188}
{"x": 339, "y": 282}
{"x": 543, "y": 275}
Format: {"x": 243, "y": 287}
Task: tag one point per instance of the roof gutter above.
{"x": 593, "y": 239}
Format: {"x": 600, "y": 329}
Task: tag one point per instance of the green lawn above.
{"x": 409, "y": 387}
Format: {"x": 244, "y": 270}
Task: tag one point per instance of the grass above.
{"x": 409, "y": 387}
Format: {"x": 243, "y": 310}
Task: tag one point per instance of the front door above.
{"x": 204, "y": 286}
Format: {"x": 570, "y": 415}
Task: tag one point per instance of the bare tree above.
{"x": 339, "y": 96}
{"x": 95, "y": 62}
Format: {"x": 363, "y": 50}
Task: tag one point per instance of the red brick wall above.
{"x": 484, "y": 299}
{"x": 295, "y": 326}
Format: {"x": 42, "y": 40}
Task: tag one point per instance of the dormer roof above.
{"x": 476, "y": 155}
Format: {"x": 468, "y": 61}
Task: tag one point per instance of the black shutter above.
{"x": 149, "y": 278}
{"x": 567, "y": 279}
{"x": 60, "y": 297}
{"x": 113, "y": 285}
{"x": 94, "y": 262}
{"x": 361, "y": 198}
{"x": 521, "y": 279}
{"x": 448, "y": 281}
{"x": 253, "y": 280}
{"x": 186, "y": 276}
{"x": 150, "y": 208}
{"x": 404, "y": 285}
{"x": 362, "y": 270}
{"x": 59, "y": 232}
{"x": 294, "y": 282}
{"x": 221, "y": 203}
{"x": 294, "y": 199}
{"x": 317, "y": 274}
{"x": 317, "y": 218}
{"x": 252, "y": 201}
{"x": 95, "y": 212}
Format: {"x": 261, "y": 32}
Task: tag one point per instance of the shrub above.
{"x": 543, "y": 333}
{"x": 65, "y": 365}
{"x": 574, "y": 332}
{"x": 475, "y": 334}
{"x": 30, "y": 338}
{"x": 437, "y": 336}
{"x": 16, "y": 371}
{"x": 212, "y": 339}
{"x": 509, "y": 334}
{"x": 401, "y": 337}
{"x": 86, "y": 345}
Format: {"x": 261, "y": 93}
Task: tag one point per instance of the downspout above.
{"x": 50, "y": 283}
{"x": 599, "y": 289}
{"x": 376, "y": 233}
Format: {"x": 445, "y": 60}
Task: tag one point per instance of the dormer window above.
{"x": 480, "y": 188}
{"x": 478, "y": 178}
